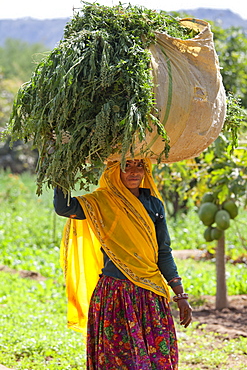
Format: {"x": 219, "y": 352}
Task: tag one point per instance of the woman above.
{"x": 129, "y": 320}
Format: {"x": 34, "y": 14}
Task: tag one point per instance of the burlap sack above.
{"x": 189, "y": 94}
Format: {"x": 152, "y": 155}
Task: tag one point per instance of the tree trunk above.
{"x": 221, "y": 291}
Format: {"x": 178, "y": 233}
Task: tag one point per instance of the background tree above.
{"x": 221, "y": 169}
{"x": 17, "y": 61}
{"x": 231, "y": 46}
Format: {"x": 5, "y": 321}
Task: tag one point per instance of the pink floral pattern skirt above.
{"x": 129, "y": 328}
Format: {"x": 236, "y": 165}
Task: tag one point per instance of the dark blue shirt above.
{"x": 156, "y": 211}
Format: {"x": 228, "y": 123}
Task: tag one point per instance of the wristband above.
{"x": 180, "y": 296}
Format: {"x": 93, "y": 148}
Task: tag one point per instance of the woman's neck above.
{"x": 135, "y": 191}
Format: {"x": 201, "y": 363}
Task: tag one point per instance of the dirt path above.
{"x": 231, "y": 321}
{"x": 2, "y": 367}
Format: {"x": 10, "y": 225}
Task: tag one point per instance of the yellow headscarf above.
{"x": 117, "y": 221}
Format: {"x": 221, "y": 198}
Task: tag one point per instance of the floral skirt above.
{"x": 129, "y": 328}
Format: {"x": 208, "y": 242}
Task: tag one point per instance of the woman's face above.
{"x": 132, "y": 175}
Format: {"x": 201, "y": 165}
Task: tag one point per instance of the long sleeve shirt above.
{"x": 155, "y": 209}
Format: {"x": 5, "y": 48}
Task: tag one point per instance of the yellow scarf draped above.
{"x": 118, "y": 222}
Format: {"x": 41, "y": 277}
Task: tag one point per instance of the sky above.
{"x": 47, "y": 9}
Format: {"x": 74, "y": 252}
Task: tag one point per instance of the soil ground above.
{"x": 232, "y": 320}
{"x": 228, "y": 323}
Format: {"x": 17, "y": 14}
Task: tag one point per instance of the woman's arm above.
{"x": 166, "y": 261}
{"x": 67, "y": 207}
{"x": 168, "y": 269}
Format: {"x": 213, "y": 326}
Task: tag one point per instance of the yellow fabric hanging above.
{"x": 81, "y": 260}
{"x": 118, "y": 222}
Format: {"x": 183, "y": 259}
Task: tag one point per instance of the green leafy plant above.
{"x": 96, "y": 87}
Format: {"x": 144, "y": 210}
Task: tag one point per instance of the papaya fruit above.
{"x": 216, "y": 233}
{"x": 207, "y": 234}
{"x": 231, "y": 208}
{"x": 207, "y": 212}
{"x": 207, "y": 197}
{"x": 222, "y": 219}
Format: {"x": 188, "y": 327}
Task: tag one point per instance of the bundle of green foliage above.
{"x": 95, "y": 87}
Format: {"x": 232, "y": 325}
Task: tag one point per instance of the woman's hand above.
{"x": 65, "y": 136}
{"x": 185, "y": 312}
{"x": 51, "y": 144}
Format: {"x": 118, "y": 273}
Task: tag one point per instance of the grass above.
{"x": 33, "y": 333}
{"x": 30, "y": 231}
{"x": 199, "y": 277}
{"x": 33, "y": 329}
{"x": 201, "y": 349}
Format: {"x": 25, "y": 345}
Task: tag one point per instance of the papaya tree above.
{"x": 226, "y": 179}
